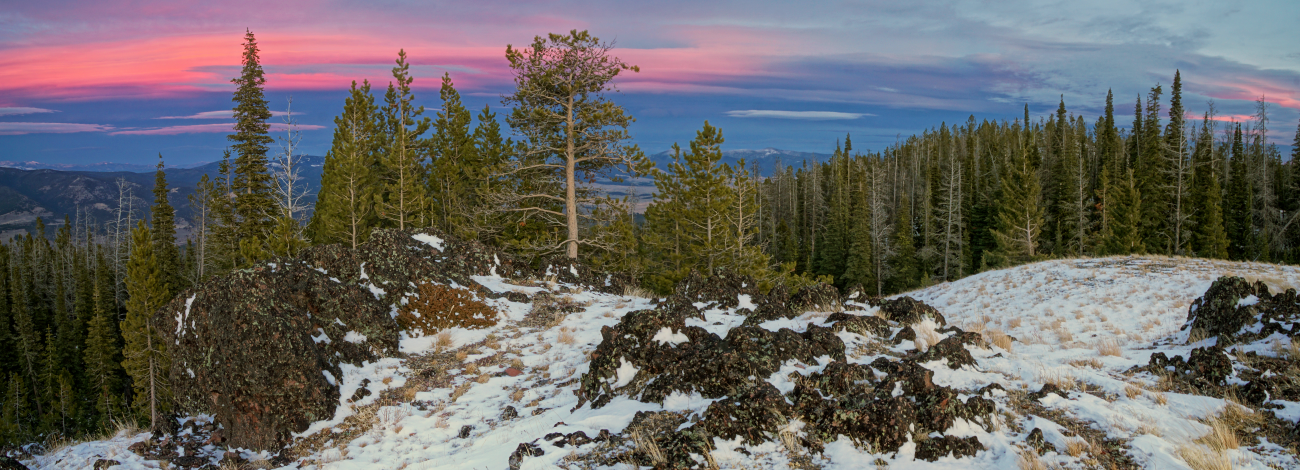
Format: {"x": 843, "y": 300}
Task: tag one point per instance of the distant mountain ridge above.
{"x": 100, "y": 167}
{"x": 31, "y": 189}
{"x": 765, "y": 158}
{"x": 26, "y": 194}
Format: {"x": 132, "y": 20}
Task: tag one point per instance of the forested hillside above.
{"x": 956, "y": 200}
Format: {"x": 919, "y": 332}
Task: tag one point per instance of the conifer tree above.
{"x": 1210, "y": 239}
{"x": 454, "y": 158}
{"x": 163, "y": 233}
{"x": 1020, "y": 216}
{"x": 404, "y": 198}
{"x": 697, "y": 188}
{"x": 251, "y": 185}
{"x": 103, "y": 362}
{"x": 1153, "y": 179}
{"x": 903, "y": 274}
{"x": 144, "y": 353}
{"x": 345, "y": 203}
{"x": 571, "y": 132}
{"x": 1238, "y": 217}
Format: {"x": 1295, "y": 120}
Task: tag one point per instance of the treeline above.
{"x": 974, "y": 196}
{"x": 78, "y": 354}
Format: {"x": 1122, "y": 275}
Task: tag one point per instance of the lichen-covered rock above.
{"x": 906, "y": 310}
{"x": 260, "y": 349}
{"x": 1236, "y": 311}
{"x": 885, "y": 404}
{"x": 721, "y": 290}
{"x": 863, "y": 325}
{"x": 932, "y": 449}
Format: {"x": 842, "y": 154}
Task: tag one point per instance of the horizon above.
{"x": 133, "y": 80}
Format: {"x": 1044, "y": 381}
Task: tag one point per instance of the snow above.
{"x": 625, "y": 373}
{"x": 430, "y": 240}
{"x": 666, "y": 336}
{"x": 1249, "y": 300}
{"x": 352, "y": 337}
{"x": 1057, "y": 310}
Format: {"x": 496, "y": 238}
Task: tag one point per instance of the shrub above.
{"x": 436, "y": 307}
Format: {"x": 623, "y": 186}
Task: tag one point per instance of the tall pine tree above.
{"x": 253, "y": 205}
{"x": 145, "y": 354}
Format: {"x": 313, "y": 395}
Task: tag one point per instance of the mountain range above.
{"x": 31, "y": 189}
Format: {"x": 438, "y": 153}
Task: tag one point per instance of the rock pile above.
{"x": 260, "y": 349}
{"x": 651, "y": 354}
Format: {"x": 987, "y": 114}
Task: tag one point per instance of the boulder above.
{"x": 260, "y": 349}
{"x": 906, "y": 310}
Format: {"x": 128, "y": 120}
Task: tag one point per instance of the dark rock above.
{"x": 189, "y": 461}
{"x": 817, "y": 296}
{"x": 932, "y": 449}
{"x": 1035, "y": 440}
{"x": 524, "y": 450}
{"x": 1217, "y": 313}
{"x": 1212, "y": 365}
{"x": 721, "y": 290}
{"x": 952, "y": 348}
{"x": 863, "y": 325}
{"x": 245, "y": 347}
{"x": 464, "y": 431}
{"x": 1048, "y": 388}
{"x": 905, "y": 334}
{"x": 906, "y": 310}
{"x": 509, "y": 413}
{"x": 100, "y": 464}
{"x": 7, "y": 463}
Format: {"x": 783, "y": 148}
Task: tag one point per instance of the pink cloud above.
{"x": 20, "y": 128}
{"x": 207, "y": 128}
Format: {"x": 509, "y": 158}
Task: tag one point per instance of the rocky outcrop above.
{"x": 651, "y": 354}
{"x": 260, "y": 349}
{"x": 1236, "y": 311}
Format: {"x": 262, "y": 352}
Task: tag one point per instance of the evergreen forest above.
{"x": 78, "y": 355}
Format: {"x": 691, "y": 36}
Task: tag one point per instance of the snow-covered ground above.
{"x": 1079, "y": 323}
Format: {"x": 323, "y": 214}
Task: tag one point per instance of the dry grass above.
{"x": 1063, "y": 335}
{"x": 1029, "y": 461}
{"x": 1289, "y": 350}
{"x": 1132, "y": 391}
{"x": 1196, "y": 335}
{"x": 648, "y": 446}
{"x": 1013, "y": 323}
{"x": 1108, "y": 347}
{"x": 998, "y": 338}
{"x": 471, "y": 369}
{"x": 1076, "y": 447}
{"x": 1160, "y": 398}
{"x": 1061, "y": 379}
{"x": 638, "y": 292}
{"x": 1200, "y": 458}
{"x": 925, "y": 337}
{"x": 1089, "y": 362}
{"x": 566, "y": 336}
{"x": 442, "y": 340}
{"x": 517, "y": 395}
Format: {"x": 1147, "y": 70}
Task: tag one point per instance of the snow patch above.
{"x": 430, "y": 240}
{"x": 666, "y": 336}
{"x": 626, "y": 371}
{"x": 1249, "y": 300}
{"x": 354, "y": 337}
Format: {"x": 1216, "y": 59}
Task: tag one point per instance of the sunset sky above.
{"x": 121, "y": 81}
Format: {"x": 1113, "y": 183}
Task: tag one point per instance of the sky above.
{"x": 91, "y": 81}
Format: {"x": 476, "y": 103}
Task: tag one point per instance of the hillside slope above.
{"x": 507, "y": 396}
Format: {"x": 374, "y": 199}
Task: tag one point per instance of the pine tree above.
{"x": 345, "y": 203}
{"x": 251, "y": 185}
{"x": 571, "y": 132}
{"x": 1020, "y": 216}
{"x": 455, "y": 155}
{"x": 1209, "y": 239}
{"x": 904, "y": 270}
{"x": 145, "y": 354}
{"x": 404, "y": 196}
{"x": 103, "y": 362}
{"x": 163, "y": 234}
{"x": 697, "y": 190}
{"x": 1153, "y": 179}
{"x": 1238, "y": 218}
